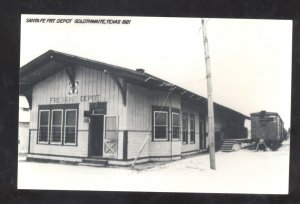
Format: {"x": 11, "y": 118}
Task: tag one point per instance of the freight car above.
{"x": 267, "y": 127}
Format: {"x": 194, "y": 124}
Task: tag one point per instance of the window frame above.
{"x": 186, "y": 115}
{"x": 167, "y": 125}
{"x": 61, "y": 125}
{"x": 172, "y": 126}
{"x": 192, "y": 132}
{"x": 63, "y": 107}
{"x": 39, "y": 125}
{"x": 65, "y": 126}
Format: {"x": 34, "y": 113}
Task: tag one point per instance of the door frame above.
{"x": 90, "y": 136}
{"x": 92, "y": 107}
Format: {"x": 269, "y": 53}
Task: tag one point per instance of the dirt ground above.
{"x": 243, "y": 171}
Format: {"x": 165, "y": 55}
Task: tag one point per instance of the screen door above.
{"x": 110, "y": 142}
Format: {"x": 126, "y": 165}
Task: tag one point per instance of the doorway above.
{"x": 96, "y": 132}
{"x": 202, "y": 138}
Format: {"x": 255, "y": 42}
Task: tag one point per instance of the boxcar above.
{"x": 269, "y": 127}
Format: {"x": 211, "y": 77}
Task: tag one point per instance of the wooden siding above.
{"x": 139, "y": 120}
{"x": 165, "y": 148}
{"x": 136, "y": 116}
{"x": 139, "y": 105}
{"x": 91, "y": 82}
{"x": 120, "y": 145}
{"x": 62, "y": 150}
{"x": 151, "y": 149}
{"x": 94, "y": 82}
{"x": 135, "y": 141}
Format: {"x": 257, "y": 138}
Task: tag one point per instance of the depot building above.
{"x": 82, "y": 109}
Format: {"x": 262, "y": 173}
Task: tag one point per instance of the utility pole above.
{"x": 211, "y": 122}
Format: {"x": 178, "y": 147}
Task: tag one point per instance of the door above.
{"x": 202, "y": 135}
{"x": 110, "y": 143}
{"x": 96, "y": 132}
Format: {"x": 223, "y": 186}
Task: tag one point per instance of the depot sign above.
{"x": 74, "y": 99}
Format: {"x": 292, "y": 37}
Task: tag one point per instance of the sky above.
{"x": 251, "y": 59}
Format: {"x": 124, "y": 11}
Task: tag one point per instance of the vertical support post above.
{"x": 211, "y": 124}
{"x": 125, "y": 145}
{"x": 29, "y": 138}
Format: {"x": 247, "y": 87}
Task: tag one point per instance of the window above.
{"x": 160, "y": 125}
{"x": 192, "y": 126}
{"x": 70, "y": 126}
{"x": 184, "y": 128}
{"x": 44, "y": 126}
{"x": 58, "y": 124}
{"x": 175, "y": 125}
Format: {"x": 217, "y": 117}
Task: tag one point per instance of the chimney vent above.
{"x": 140, "y": 70}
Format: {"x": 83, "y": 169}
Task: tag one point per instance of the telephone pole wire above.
{"x": 211, "y": 122}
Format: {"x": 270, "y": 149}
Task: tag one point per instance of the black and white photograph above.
{"x": 154, "y": 104}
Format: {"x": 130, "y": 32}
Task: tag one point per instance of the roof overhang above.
{"x": 52, "y": 61}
